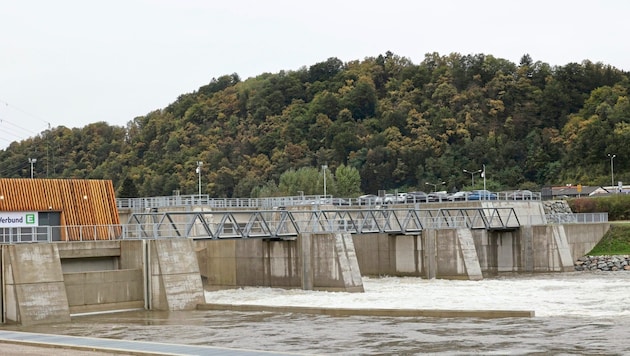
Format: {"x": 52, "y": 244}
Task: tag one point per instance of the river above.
{"x": 575, "y": 313}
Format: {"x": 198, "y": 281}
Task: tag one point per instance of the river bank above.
{"x": 603, "y": 263}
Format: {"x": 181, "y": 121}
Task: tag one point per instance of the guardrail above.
{"x": 62, "y": 233}
{"x": 146, "y": 204}
{"x": 577, "y": 218}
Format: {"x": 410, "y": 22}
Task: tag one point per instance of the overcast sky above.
{"x": 74, "y": 62}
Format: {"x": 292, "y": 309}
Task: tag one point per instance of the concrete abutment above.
{"x": 49, "y": 282}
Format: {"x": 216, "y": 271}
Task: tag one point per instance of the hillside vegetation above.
{"x": 615, "y": 242}
{"x": 378, "y": 123}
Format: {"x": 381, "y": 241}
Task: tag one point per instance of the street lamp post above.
{"x": 434, "y": 185}
{"x": 612, "y": 171}
{"x": 324, "y": 167}
{"x": 199, "y": 164}
{"x": 32, "y": 162}
{"x": 472, "y": 176}
{"x": 483, "y": 174}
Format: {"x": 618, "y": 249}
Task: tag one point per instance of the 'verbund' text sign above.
{"x": 19, "y": 219}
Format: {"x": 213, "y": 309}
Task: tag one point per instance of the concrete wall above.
{"x": 446, "y": 253}
{"x": 104, "y": 290}
{"x": 432, "y": 254}
{"x": 536, "y": 248}
{"x": 582, "y": 240}
{"x": 103, "y": 275}
{"x": 312, "y": 261}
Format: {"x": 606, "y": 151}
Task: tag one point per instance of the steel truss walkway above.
{"x": 287, "y": 224}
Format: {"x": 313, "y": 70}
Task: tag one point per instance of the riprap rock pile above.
{"x": 603, "y": 263}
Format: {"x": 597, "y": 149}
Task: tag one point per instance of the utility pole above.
{"x": 199, "y": 164}
{"x": 324, "y": 167}
{"x": 612, "y": 172}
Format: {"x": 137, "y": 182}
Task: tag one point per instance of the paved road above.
{"x": 10, "y": 349}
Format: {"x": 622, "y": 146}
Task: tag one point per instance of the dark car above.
{"x": 417, "y": 197}
{"x": 482, "y": 195}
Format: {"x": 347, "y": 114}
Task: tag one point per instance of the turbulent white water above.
{"x": 580, "y": 294}
{"x": 578, "y": 313}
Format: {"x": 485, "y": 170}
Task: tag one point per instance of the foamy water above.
{"x": 581, "y": 294}
{"x": 577, "y": 313}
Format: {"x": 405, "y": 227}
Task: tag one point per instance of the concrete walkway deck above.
{"x": 427, "y": 313}
{"x": 121, "y": 347}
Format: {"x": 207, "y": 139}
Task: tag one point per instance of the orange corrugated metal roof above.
{"x": 80, "y": 201}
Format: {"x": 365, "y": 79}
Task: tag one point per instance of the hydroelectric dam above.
{"x": 170, "y": 249}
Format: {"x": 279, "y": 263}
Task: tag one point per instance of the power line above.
{"x": 10, "y": 128}
{"x": 23, "y": 111}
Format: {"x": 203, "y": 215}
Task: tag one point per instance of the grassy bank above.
{"x": 615, "y": 242}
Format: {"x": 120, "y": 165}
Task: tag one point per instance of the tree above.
{"x": 361, "y": 100}
{"x": 348, "y": 181}
{"x": 303, "y": 180}
{"x": 324, "y": 71}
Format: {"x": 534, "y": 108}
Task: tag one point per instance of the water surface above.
{"x": 576, "y": 313}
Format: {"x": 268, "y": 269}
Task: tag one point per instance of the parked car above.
{"x": 331, "y": 201}
{"x": 367, "y": 199}
{"x": 438, "y": 196}
{"x": 482, "y": 195}
{"x": 458, "y": 196}
{"x": 521, "y": 195}
{"x": 417, "y": 197}
{"x": 387, "y": 199}
{"x": 390, "y": 199}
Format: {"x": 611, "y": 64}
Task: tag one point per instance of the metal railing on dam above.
{"x": 147, "y": 203}
{"x": 285, "y": 224}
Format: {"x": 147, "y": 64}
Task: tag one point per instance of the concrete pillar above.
{"x": 334, "y": 263}
{"x": 430, "y": 253}
{"x": 35, "y": 290}
{"x": 469, "y": 253}
{"x": 564, "y": 253}
{"x": 527, "y": 248}
{"x": 175, "y": 279}
{"x": 348, "y": 263}
{"x": 307, "y": 262}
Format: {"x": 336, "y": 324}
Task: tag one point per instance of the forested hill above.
{"x": 378, "y": 123}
